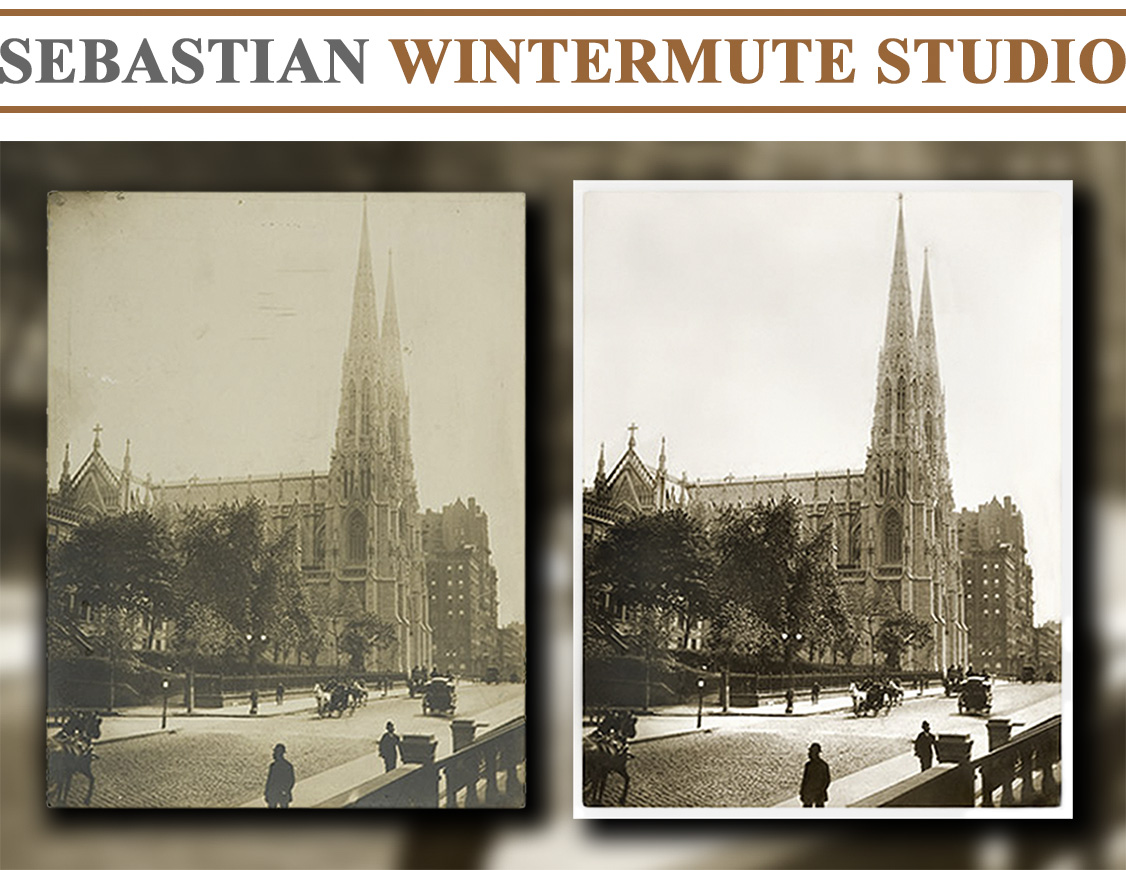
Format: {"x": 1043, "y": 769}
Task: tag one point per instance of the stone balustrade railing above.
{"x": 1020, "y": 771}
{"x": 492, "y": 758}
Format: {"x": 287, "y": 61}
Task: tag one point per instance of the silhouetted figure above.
{"x": 279, "y": 781}
{"x": 279, "y": 695}
{"x": 253, "y": 702}
{"x": 924, "y": 747}
{"x": 389, "y": 747}
{"x": 815, "y": 779}
{"x": 815, "y": 693}
{"x": 789, "y": 700}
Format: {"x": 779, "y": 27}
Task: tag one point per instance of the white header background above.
{"x": 385, "y": 85}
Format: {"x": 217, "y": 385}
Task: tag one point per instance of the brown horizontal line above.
{"x": 565, "y": 110}
{"x": 563, "y": 13}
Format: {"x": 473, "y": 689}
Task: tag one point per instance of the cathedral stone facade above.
{"x": 360, "y": 536}
{"x": 893, "y": 520}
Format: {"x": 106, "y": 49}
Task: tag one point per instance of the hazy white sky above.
{"x": 210, "y": 330}
{"x": 745, "y": 327}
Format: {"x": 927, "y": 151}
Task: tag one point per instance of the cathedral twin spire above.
{"x": 372, "y": 385}
{"x": 909, "y": 413}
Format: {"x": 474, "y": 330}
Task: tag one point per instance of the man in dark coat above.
{"x": 815, "y": 779}
{"x": 279, "y": 781}
{"x": 924, "y": 747}
{"x": 389, "y": 747}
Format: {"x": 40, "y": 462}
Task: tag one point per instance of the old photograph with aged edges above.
{"x": 285, "y": 500}
{"x": 825, "y": 529}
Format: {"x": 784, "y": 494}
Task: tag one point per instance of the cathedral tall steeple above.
{"x": 892, "y": 424}
{"x": 362, "y": 361}
{"x": 371, "y": 523}
{"x": 392, "y": 344}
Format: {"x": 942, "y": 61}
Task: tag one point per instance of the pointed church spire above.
{"x": 895, "y": 380}
{"x": 64, "y": 478}
{"x": 661, "y": 459}
{"x": 125, "y": 463}
{"x": 365, "y": 325}
{"x": 601, "y": 460}
{"x": 900, "y": 326}
{"x": 925, "y": 348}
{"x": 392, "y": 344}
{"x": 361, "y": 359}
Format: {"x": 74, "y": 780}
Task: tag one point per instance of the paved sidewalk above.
{"x": 313, "y": 790}
{"x": 834, "y": 703}
{"x": 856, "y": 786}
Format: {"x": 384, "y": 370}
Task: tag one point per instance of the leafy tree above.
{"x": 737, "y": 633}
{"x": 765, "y": 563}
{"x": 245, "y": 574}
{"x": 363, "y": 633}
{"x": 658, "y": 565}
{"x": 901, "y": 632}
{"x": 873, "y": 607}
{"x": 123, "y": 562}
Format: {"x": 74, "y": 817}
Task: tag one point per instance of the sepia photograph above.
{"x": 285, "y": 500}
{"x": 823, "y": 447}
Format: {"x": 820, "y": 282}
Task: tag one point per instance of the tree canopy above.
{"x": 660, "y": 564}
{"x": 243, "y": 574}
{"x": 122, "y": 561}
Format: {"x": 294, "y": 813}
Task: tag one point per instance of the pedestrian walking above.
{"x": 924, "y": 747}
{"x": 815, "y": 779}
{"x": 389, "y": 747}
{"x": 279, "y": 695}
{"x": 815, "y": 693}
{"x": 789, "y": 700}
{"x": 253, "y": 702}
{"x": 279, "y": 781}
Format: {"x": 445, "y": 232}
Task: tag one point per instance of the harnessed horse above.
{"x": 606, "y": 751}
{"x": 71, "y": 751}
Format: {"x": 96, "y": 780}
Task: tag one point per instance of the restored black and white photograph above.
{"x": 823, "y": 445}
{"x": 285, "y": 500}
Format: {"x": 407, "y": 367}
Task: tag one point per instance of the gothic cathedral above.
{"x": 893, "y": 523}
{"x": 360, "y": 535}
{"x": 371, "y": 519}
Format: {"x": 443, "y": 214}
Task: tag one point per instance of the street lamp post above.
{"x": 700, "y": 709}
{"x": 252, "y": 651}
{"x": 164, "y": 709}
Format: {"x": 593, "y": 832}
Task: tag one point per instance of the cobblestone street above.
{"x": 221, "y": 762}
{"x": 758, "y": 761}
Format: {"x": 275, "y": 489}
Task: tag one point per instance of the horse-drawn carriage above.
{"x": 952, "y": 682}
{"x": 336, "y": 696}
{"x": 976, "y": 695}
{"x": 69, "y": 751}
{"x": 606, "y": 751}
{"x": 873, "y": 696}
{"x": 439, "y": 697}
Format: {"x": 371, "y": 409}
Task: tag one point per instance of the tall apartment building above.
{"x": 462, "y": 587}
{"x": 998, "y": 588}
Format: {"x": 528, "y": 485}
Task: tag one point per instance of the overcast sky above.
{"x": 210, "y": 330}
{"x": 745, "y": 327}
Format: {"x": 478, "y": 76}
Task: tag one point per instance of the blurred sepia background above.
{"x": 545, "y": 833}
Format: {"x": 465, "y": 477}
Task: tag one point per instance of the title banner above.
{"x": 565, "y": 60}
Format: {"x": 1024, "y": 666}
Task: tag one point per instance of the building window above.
{"x": 365, "y": 409}
{"x": 893, "y": 538}
{"x": 357, "y": 539}
{"x": 901, "y": 405}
